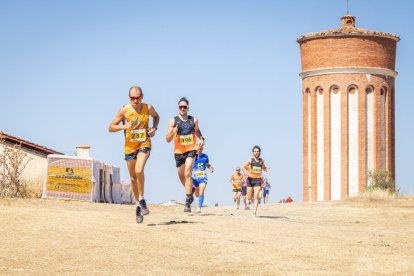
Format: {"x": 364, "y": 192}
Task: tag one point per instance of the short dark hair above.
{"x": 183, "y": 99}
{"x": 256, "y": 147}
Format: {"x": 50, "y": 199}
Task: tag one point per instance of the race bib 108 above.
{"x": 186, "y": 140}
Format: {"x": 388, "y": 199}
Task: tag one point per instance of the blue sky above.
{"x": 66, "y": 67}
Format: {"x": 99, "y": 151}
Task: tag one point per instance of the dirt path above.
{"x": 55, "y": 237}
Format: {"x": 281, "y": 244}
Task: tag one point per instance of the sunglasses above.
{"x": 184, "y": 107}
{"x": 135, "y": 98}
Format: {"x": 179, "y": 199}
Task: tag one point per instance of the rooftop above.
{"x": 27, "y": 144}
{"x": 347, "y": 29}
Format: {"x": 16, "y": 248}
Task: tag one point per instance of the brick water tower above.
{"x": 348, "y": 79}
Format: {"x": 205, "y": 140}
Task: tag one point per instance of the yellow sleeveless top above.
{"x": 238, "y": 181}
{"x": 137, "y": 137}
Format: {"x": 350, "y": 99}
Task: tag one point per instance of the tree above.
{"x": 13, "y": 161}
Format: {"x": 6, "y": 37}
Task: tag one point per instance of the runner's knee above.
{"x": 139, "y": 170}
{"x": 187, "y": 173}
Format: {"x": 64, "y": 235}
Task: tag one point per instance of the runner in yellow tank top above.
{"x": 254, "y": 166}
{"x": 137, "y": 142}
{"x": 237, "y": 181}
{"x": 136, "y": 137}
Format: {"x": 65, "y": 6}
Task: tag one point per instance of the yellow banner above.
{"x": 69, "y": 179}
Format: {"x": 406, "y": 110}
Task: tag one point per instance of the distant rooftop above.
{"x": 347, "y": 29}
{"x": 27, "y": 144}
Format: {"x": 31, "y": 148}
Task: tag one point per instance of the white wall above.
{"x": 320, "y": 147}
{"x": 35, "y": 171}
{"x": 353, "y": 141}
{"x": 309, "y": 148}
{"x": 335, "y": 145}
{"x": 369, "y": 132}
{"x": 382, "y": 130}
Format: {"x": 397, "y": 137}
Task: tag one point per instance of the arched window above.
{"x": 369, "y": 89}
{"x": 352, "y": 89}
{"x": 334, "y": 89}
{"x": 319, "y": 90}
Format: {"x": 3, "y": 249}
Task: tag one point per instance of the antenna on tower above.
{"x": 347, "y": 6}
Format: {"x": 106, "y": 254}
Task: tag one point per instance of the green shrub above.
{"x": 381, "y": 179}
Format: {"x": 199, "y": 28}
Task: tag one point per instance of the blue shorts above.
{"x": 265, "y": 192}
{"x": 198, "y": 181}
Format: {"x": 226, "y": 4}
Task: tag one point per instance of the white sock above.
{"x": 141, "y": 198}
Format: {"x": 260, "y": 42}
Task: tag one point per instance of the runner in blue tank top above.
{"x": 200, "y": 176}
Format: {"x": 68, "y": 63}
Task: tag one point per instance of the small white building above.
{"x": 35, "y": 171}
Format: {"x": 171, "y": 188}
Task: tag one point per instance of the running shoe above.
{"x": 187, "y": 207}
{"x": 198, "y": 210}
{"x": 247, "y": 208}
{"x": 144, "y": 208}
{"x": 139, "y": 216}
{"x": 191, "y": 199}
{"x": 254, "y": 215}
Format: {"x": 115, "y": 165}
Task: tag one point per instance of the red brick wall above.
{"x": 348, "y": 51}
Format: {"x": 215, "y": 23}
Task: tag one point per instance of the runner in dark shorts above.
{"x": 184, "y": 130}
{"x": 255, "y": 165}
{"x": 237, "y": 180}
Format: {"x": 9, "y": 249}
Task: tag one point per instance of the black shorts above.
{"x": 237, "y": 190}
{"x": 134, "y": 155}
{"x": 180, "y": 158}
{"x": 254, "y": 182}
{"x": 244, "y": 190}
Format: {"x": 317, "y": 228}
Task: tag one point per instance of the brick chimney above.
{"x": 348, "y": 22}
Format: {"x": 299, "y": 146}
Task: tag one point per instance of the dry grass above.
{"x": 350, "y": 237}
{"x": 379, "y": 197}
{"x": 27, "y": 189}
{"x": 33, "y": 188}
